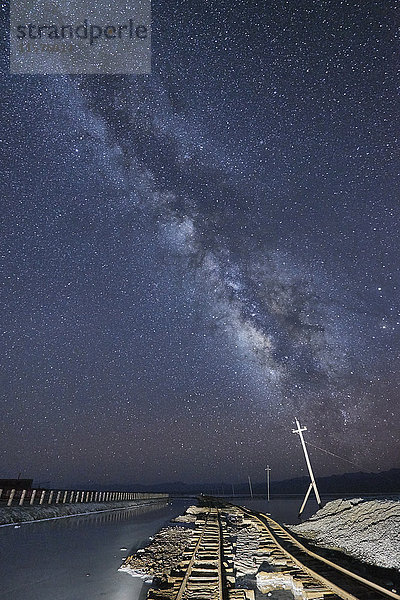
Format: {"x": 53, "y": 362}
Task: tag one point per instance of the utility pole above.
{"x": 251, "y": 488}
{"x": 268, "y": 471}
{"x": 313, "y": 484}
{"x": 233, "y": 490}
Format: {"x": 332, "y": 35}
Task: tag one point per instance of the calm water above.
{"x": 78, "y": 558}
{"x": 284, "y": 510}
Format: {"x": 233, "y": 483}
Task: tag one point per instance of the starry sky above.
{"x": 194, "y": 257}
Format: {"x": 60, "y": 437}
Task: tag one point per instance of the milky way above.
{"x": 196, "y": 256}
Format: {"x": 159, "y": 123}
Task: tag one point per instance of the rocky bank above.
{"x": 368, "y": 530}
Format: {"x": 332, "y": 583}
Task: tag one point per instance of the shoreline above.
{"x": 245, "y": 551}
{"x": 363, "y": 529}
{"x": 20, "y": 515}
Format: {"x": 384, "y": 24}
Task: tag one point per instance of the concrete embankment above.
{"x": 14, "y": 515}
{"x": 368, "y": 530}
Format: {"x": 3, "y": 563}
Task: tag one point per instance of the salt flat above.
{"x": 366, "y": 529}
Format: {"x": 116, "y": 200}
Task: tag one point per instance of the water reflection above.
{"x": 284, "y": 509}
{"x": 115, "y": 515}
{"x": 79, "y": 557}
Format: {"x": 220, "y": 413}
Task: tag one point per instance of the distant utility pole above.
{"x": 268, "y": 471}
{"x": 313, "y": 484}
{"x": 251, "y": 488}
{"x": 233, "y": 490}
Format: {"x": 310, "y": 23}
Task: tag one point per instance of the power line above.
{"x": 336, "y": 455}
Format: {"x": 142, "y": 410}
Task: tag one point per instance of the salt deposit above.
{"x": 366, "y": 529}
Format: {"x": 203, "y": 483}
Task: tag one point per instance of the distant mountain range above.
{"x": 385, "y": 482}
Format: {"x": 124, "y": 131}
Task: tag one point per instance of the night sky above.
{"x": 193, "y": 258}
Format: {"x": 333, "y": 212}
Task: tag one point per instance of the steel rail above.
{"x": 183, "y": 585}
{"x": 320, "y": 578}
{"x": 186, "y": 579}
{"x": 220, "y": 557}
{"x": 322, "y": 559}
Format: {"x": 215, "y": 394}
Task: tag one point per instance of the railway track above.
{"x": 203, "y": 571}
{"x": 340, "y": 581}
{"x": 231, "y": 541}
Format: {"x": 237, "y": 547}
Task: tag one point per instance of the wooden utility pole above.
{"x": 313, "y": 484}
{"x": 251, "y": 487}
{"x": 268, "y": 471}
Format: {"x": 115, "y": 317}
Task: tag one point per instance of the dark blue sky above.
{"x": 194, "y": 257}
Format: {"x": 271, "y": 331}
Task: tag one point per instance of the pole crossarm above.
{"x": 299, "y": 429}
